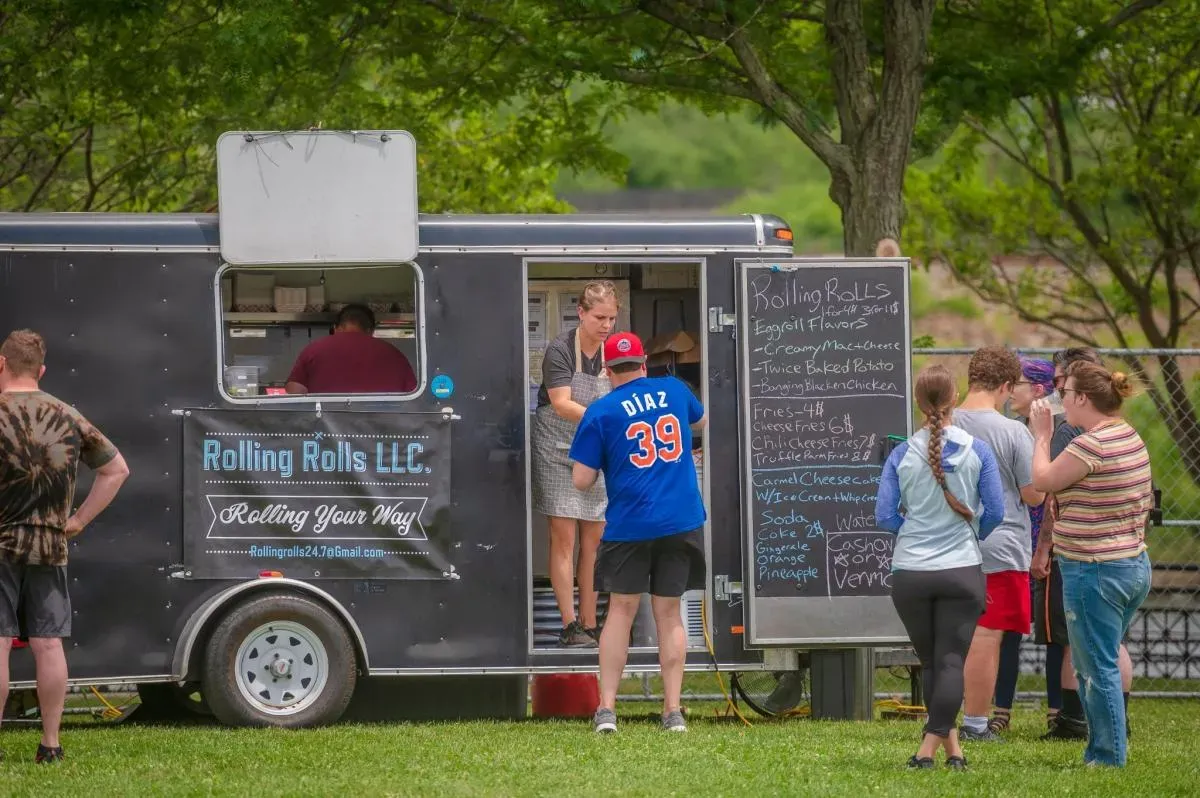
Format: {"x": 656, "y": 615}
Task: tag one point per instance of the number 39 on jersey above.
{"x": 660, "y": 442}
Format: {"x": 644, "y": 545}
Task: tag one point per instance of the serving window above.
{"x": 270, "y": 316}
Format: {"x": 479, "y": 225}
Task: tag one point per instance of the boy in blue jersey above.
{"x": 640, "y": 436}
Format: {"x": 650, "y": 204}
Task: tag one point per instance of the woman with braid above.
{"x": 940, "y": 493}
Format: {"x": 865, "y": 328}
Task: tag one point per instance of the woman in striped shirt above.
{"x": 1103, "y": 498}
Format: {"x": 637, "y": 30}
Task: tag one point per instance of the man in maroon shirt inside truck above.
{"x": 352, "y": 360}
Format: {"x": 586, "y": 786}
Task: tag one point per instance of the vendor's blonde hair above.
{"x": 598, "y": 291}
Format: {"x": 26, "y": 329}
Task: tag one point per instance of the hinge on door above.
{"x": 718, "y": 319}
{"x": 724, "y": 589}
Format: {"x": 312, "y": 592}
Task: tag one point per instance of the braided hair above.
{"x": 935, "y": 396}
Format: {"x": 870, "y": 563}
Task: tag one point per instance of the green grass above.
{"x": 559, "y": 758}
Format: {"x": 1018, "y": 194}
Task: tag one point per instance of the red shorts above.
{"x": 1008, "y": 605}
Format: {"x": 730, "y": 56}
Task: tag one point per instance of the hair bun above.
{"x": 1121, "y": 384}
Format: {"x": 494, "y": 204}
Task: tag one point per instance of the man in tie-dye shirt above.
{"x": 42, "y": 442}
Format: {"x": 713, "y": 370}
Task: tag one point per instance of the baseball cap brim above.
{"x": 616, "y": 361}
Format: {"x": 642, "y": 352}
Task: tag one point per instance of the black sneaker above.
{"x": 594, "y": 633}
{"x": 920, "y": 762}
{"x": 985, "y": 736}
{"x": 574, "y": 635}
{"x": 1067, "y": 728}
{"x": 45, "y": 754}
{"x": 956, "y": 762}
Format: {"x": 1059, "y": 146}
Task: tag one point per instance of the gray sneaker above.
{"x": 673, "y": 721}
{"x": 604, "y": 721}
{"x": 985, "y": 736}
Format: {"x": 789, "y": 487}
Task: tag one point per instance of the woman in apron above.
{"x": 572, "y": 378}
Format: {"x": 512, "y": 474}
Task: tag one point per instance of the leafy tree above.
{"x": 847, "y": 77}
{"x": 1094, "y": 188}
{"x": 117, "y": 104}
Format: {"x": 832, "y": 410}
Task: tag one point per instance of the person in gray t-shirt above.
{"x": 1010, "y": 546}
{"x": 991, "y": 376}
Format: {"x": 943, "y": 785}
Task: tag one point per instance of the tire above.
{"x": 282, "y": 660}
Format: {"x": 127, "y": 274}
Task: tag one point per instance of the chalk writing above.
{"x": 827, "y": 380}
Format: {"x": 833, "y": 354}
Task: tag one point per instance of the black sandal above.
{"x": 920, "y": 762}
{"x": 956, "y": 762}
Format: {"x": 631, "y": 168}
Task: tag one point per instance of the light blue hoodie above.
{"x": 930, "y": 536}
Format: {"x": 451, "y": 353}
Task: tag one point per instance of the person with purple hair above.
{"x": 1037, "y": 382}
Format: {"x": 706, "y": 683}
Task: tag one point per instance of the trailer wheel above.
{"x": 279, "y": 660}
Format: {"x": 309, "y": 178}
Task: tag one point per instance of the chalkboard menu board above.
{"x": 825, "y": 380}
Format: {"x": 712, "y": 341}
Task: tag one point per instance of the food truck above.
{"x": 272, "y": 551}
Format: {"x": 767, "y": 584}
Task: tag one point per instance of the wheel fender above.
{"x": 203, "y": 619}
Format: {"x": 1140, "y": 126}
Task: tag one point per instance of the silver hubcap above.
{"x": 282, "y": 668}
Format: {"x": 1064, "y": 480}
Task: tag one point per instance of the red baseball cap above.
{"x": 623, "y": 347}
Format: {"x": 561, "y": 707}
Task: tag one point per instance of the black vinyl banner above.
{"x": 339, "y": 495}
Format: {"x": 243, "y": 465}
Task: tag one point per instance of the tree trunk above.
{"x": 872, "y": 202}
{"x": 876, "y": 115}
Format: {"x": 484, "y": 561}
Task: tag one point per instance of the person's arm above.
{"x": 887, "y": 500}
{"x": 404, "y": 370}
{"x": 566, "y": 407}
{"x": 408, "y": 375}
{"x": 583, "y": 477}
{"x": 558, "y": 370}
{"x": 297, "y": 381}
{"x": 697, "y": 418}
{"x": 1040, "y": 567}
{"x": 109, "y": 478}
{"x": 1062, "y": 472}
{"x": 1032, "y": 496}
{"x": 98, "y": 453}
{"x": 991, "y": 489}
{"x": 1023, "y": 469}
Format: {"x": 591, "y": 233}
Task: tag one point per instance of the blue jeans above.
{"x": 1100, "y": 599}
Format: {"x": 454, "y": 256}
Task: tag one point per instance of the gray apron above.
{"x": 553, "y": 492}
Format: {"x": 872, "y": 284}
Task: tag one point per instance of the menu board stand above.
{"x": 825, "y": 379}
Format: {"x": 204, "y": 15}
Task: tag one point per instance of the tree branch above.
{"x": 796, "y": 115}
{"x": 1129, "y": 12}
{"x": 31, "y": 203}
{"x": 87, "y": 168}
{"x": 855, "y": 89}
{"x": 1020, "y": 160}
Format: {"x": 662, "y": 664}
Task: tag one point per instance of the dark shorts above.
{"x": 1049, "y": 615}
{"x": 667, "y": 566}
{"x": 34, "y": 601}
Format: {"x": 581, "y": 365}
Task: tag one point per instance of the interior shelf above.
{"x": 381, "y": 319}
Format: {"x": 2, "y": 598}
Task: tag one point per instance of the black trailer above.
{"x": 270, "y": 550}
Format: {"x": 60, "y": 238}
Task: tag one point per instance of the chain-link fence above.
{"x": 1164, "y": 642}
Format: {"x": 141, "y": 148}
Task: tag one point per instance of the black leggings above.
{"x": 939, "y": 610}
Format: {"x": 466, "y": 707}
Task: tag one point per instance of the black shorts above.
{"x": 667, "y": 566}
{"x": 1049, "y": 614}
{"x": 34, "y": 601}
